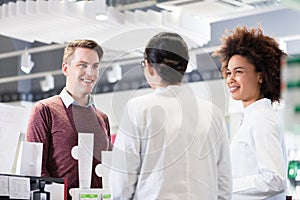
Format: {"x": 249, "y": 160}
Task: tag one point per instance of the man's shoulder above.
{"x": 101, "y": 113}
{"x": 53, "y": 101}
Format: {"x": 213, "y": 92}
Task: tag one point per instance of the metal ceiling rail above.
{"x": 29, "y": 76}
{"x": 32, "y": 50}
{"x": 137, "y": 5}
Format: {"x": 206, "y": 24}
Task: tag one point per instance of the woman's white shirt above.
{"x": 258, "y": 155}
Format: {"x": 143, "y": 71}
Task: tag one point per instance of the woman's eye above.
{"x": 228, "y": 74}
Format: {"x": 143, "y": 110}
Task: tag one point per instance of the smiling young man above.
{"x": 56, "y": 121}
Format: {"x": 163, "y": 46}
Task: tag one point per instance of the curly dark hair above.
{"x": 260, "y": 50}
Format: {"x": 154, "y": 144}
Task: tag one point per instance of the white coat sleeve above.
{"x": 271, "y": 162}
{"x": 224, "y": 168}
{"x": 125, "y": 163}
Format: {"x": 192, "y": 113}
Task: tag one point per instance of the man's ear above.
{"x": 65, "y": 68}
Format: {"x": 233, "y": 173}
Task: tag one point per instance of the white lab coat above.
{"x": 171, "y": 145}
{"x": 258, "y": 155}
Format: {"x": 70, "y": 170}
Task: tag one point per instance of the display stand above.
{"x": 20, "y": 187}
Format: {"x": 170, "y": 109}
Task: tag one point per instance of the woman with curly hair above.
{"x": 251, "y": 63}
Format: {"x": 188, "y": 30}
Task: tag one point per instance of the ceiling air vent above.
{"x": 186, "y": 2}
{"x": 233, "y": 3}
{"x": 211, "y": 10}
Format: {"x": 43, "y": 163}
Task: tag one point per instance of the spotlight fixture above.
{"x": 48, "y": 83}
{"x": 115, "y": 73}
{"x": 100, "y": 7}
{"x": 101, "y": 17}
{"x": 192, "y": 64}
{"x": 26, "y": 63}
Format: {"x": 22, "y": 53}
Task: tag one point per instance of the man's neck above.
{"x": 83, "y": 100}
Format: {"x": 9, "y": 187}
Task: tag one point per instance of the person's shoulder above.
{"x": 141, "y": 99}
{"x": 265, "y": 111}
{"x": 265, "y": 115}
{"x": 206, "y": 104}
{"x": 101, "y": 113}
{"x": 53, "y": 101}
{"x": 139, "y": 104}
{"x": 206, "y": 107}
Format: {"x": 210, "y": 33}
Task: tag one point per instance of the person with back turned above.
{"x": 170, "y": 144}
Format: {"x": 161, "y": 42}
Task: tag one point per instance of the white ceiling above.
{"x": 124, "y": 32}
{"x": 62, "y": 21}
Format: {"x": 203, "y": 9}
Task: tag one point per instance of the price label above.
{"x": 89, "y": 197}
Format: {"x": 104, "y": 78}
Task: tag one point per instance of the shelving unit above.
{"x": 291, "y": 117}
{"x": 291, "y": 94}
